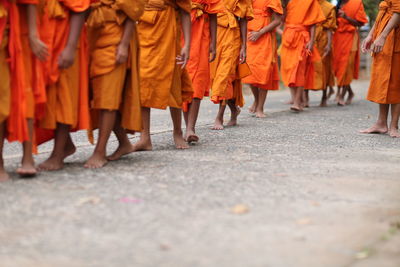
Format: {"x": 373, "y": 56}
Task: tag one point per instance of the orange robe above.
{"x": 296, "y": 65}
{"x": 385, "y": 75}
{"x": 346, "y": 44}
{"x": 225, "y": 75}
{"x": 35, "y": 89}
{"x": 12, "y": 88}
{"x": 198, "y": 66}
{"x": 323, "y": 71}
{"x": 67, "y": 90}
{"x": 114, "y": 87}
{"x": 262, "y": 56}
{"x": 163, "y": 83}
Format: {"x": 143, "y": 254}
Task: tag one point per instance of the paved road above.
{"x": 291, "y": 190}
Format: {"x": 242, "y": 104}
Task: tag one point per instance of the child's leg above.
{"x": 235, "y": 111}
{"x": 350, "y": 96}
{"x": 3, "y": 174}
{"x": 342, "y": 94}
{"x": 191, "y": 120}
{"x": 380, "y": 127}
{"x": 298, "y": 99}
{"x": 27, "y": 168}
{"x": 144, "y": 143}
{"x": 63, "y": 147}
{"x": 331, "y": 92}
{"x": 219, "y": 120}
{"x": 394, "y": 124}
{"x": 306, "y": 99}
{"x": 324, "y": 99}
{"x": 292, "y": 96}
{"x": 262, "y": 96}
{"x": 255, "y": 91}
{"x": 106, "y": 124}
{"x": 176, "y": 115}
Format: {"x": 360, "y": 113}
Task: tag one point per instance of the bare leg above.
{"x": 306, "y": 98}
{"x": 394, "y": 124}
{"x": 28, "y": 168}
{"x": 63, "y": 147}
{"x": 338, "y": 93}
{"x": 106, "y": 124}
{"x": 3, "y": 174}
{"x": 342, "y": 95}
{"x": 176, "y": 116}
{"x": 219, "y": 120}
{"x": 262, "y": 96}
{"x": 235, "y": 111}
{"x": 324, "y": 98}
{"x": 255, "y": 91}
{"x": 331, "y": 92}
{"x": 292, "y": 96}
{"x": 350, "y": 96}
{"x": 298, "y": 99}
{"x": 380, "y": 127}
{"x": 191, "y": 120}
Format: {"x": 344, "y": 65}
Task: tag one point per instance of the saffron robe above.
{"x": 163, "y": 83}
{"x": 385, "y": 75}
{"x": 346, "y": 44}
{"x": 198, "y": 66}
{"x": 323, "y": 73}
{"x": 12, "y": 88}
{"x": 67, "y": 89}
{"x": 262, "y": 56}
{"x": 115, "y": 86}
{"x": 297, "y": 65}
{"x": 225, "y": 75}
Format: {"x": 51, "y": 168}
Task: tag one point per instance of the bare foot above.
{"x": 96, "y": 161}
{"x": 260, "y": 114}
{"x": 394, "y": 133}
{"x": 289, "y": 102}
{"x": 56, "y": 162}
{"x": 252, "y": 108}
{"x": 180, "y": 142}
{"x": 191, "y": 137}
{"x": 296, "y": 108}
{"x": 3, "y": 175}
{"x": 375, "y": 129}
{"x": 218, "y": 125}
{"x": 122, "y": 150}
{"x": 324, "y": 102}
{"x": 341, "y": 102}
{"x": 350, "y": 98}
{"x": 27, "y": 170}
{"x": 234, "y": 116}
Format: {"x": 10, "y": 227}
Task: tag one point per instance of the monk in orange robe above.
{"x": 298, "y": 54}
{"x": 202, "y": 52}
{"x": 34, "y": 52}
{"x": 346, "y": 55}
{"x": 262, "y": 56}
{"x": 12, "y": 102}
{"x": 384, "y": 42}
{"x": 164, "y": 81}
{"x": 323, "y": 70}
{"x": 114, "y": 72}
{"x": 67, "y": 106}
{"x": 226, "y": 76}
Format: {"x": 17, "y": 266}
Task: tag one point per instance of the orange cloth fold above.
{"x": 225, "y": 80}
{"x": 114, "y": 87}
{"x": 262, "y": 56}
{"x": 323, "y": 70}
{"x": 67, "y": 90}
{"x": 346, "y": 54}
{"x": 162, "y": 82}
{"x": 385, "y": 78}
{"x": 297, "y": 63}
